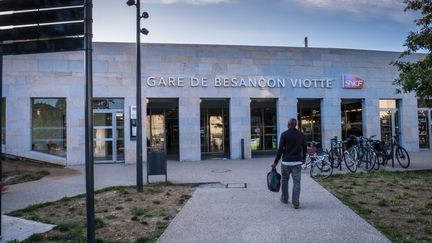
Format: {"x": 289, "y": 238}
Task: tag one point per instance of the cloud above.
{"x": 389, "y": 8}
{"x": 191, "y": 2}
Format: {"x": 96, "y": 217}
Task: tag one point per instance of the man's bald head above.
{"x": 292, "y": 123}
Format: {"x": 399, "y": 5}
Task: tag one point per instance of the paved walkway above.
{"x": 219, "y": 214}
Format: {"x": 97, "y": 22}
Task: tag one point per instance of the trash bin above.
{"x": 156, "y": 163}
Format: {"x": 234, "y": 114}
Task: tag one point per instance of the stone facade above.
{"x": 62, "y": 75}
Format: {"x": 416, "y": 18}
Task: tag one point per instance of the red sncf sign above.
{"x": 352, "y": 82}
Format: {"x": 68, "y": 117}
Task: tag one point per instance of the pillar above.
{"x": 239, "y": 112}
{"x": 189, "y": 129}
{"x": 330, "y": 120}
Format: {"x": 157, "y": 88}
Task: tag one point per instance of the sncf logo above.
{"x": 352, "y": 82}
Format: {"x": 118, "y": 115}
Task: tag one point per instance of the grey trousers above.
{"x": 295, "y": 171}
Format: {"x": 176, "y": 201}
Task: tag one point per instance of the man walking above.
{"x": 292, "y": 149}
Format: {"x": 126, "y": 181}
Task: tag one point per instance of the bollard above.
{"x": 242, "y": 148}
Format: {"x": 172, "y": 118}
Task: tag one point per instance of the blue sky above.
{"x": 354, "y": 24}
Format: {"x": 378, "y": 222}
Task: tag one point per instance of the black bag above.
{"x": 273, "y": 180}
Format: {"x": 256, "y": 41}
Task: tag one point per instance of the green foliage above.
{"x": 29, "y": 209}
{"x": 35, "y": 237}
{"x": 416, "y": 76}
{"x": 138, "y": 211}
{"x": 43, "y": 172}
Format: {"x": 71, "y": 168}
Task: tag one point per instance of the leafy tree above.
{"x": 417, "y": 76}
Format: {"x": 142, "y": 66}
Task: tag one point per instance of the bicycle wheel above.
{"x": 350, "y": 162}
{"x": 402, "y": 157}
{"x": 379, "y": 157}
{"x": 334, "y": 158}
{"x": 321, "y": 169}
{"x": 368, "y": 160}
{"x": 383, "y": 157}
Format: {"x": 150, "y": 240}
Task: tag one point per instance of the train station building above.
{"x": 204, "y": 101}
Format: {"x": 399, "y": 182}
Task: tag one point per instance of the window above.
{"x": 49, "y": 125}
{"x": 3, "y": 136}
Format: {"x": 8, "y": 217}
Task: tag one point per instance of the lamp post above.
{"x": 144, "y": 31}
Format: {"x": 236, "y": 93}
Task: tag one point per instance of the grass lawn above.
{"x": 20, "y": 171}
{"x": 121, "y": 214}
{"x": 399, "y": 204}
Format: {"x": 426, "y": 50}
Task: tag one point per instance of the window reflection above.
{"x": 263, "y": 125}
{"x": 49, "y": 125}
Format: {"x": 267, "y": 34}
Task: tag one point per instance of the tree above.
{"x": 417, "y": 76}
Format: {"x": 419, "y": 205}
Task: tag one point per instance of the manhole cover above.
{"x": 236, "y": 185}
{"x": 221, "y": 171}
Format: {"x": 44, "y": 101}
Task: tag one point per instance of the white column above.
{"x": 330, "y": 120}
{"x": 409, "y": 123}
{"x": 75, "y": 130}
{"x": 130, "y": 145}
{"x": 371, "y": 118}
{"x": 189, "y": 129}
{"x": 240, "y": 127}
{"x": 286, "y": 109}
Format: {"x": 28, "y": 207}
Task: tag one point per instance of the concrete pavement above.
{"x": 219, "y": 214}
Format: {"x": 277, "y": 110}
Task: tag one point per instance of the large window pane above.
{"x": 49, "y": 125}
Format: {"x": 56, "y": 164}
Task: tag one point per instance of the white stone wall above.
{"x": 62, "y": 75}
{"x": 240, "y": 127}
{"x": 189, "y": 129}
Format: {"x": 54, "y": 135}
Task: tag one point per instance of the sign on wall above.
{"x": 352, "y": 82}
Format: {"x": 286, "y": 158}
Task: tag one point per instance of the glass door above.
{"x": 108, "y": 136}
{"x": 386, "y": 126}
{"x": 214, "y": 119}
{"x": 389, "y": 120}
{"x": 351, "y": 116}
{"x": 216, "y": 134}
{"x": 263, "y": 126}
{"x": 156, "y": 130}
{"x": 309, "y": 119}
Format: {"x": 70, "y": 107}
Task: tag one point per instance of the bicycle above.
{"x": 386, "y": 153}
{"x": 319, "y": 163}
{"x": 363, "y": 153}
{"x": 338, "y": 153}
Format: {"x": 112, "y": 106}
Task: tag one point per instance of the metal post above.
{"x": 242, "y": 148}
{"x": 138, "y": 100}
{"x": 89, "y": 121}
{"x": 1, "y": 134}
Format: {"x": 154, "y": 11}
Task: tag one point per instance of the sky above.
{"x": 352, "y": 24}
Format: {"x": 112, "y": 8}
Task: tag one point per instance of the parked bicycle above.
{"x": 338, "y": 153}
{"x": 394, "y": 150}
{"x": 320, "y": 166}
{"x": 363, "y": 153}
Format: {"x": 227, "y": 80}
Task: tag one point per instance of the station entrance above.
{"x": 309, "y": 119}
{"x": 389, "y": 120}
{"x": 214, "y": 128}
{"x": 162, "y": 127}
{"x": 352, "y": 118}
{"x": 108, "y": 130}
{"x": 263, "y": 127}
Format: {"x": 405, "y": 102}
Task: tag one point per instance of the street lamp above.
{"x": 144, "y": 31}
